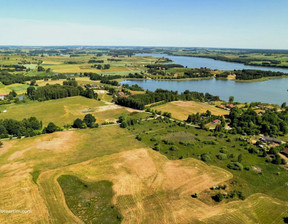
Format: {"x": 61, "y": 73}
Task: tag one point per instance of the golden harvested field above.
{"x": 148, "y": 187}
{"x": 181, "y": 109}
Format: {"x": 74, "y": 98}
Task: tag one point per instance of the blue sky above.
{"x": 188, "y": 23}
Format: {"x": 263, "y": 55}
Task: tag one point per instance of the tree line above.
{"x": 139, "y": 101}
{"x": 30, "y": 127}
{"x": 249, "y": 74}
{"x": 51, "y": 92}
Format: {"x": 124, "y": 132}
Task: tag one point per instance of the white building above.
{"x": 2, "y": 96}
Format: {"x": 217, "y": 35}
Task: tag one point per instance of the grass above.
{"x": 35, "y": 174}
{"x": 91, "y": 202}
{"x": 62, "y": 111}
{"x": 17, "y": 87}
{"x": 181, "y": 109}
{"x": 191, "y": 142}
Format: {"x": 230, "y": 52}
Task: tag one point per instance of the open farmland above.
{"x": 63, "y": 111}
{"x": 181, "y": 109}
{"x": 148, "y": 188}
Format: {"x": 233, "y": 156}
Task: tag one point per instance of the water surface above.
{"x": 198, "y": 62}
{"x": 271, "y": 91}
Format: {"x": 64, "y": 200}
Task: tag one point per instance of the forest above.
{"x": 271, "y": 123}
{"x": 51, "y": 92}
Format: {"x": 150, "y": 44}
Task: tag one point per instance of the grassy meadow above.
{"x": 181, "y": 109}
{"x": 63, "y": 111}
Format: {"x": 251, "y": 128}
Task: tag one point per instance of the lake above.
{"x": 198, "y": 62}
{"x": 271, "y": 91}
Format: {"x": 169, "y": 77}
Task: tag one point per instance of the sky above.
{"x": 175, "y": 23}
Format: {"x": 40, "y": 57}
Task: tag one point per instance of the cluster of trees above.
{"x": 125, "y": 121}
{"x": 13, "y": 68}
{"x": 159, "y": 69}
{"x": 106, "y": 66}
{"x": 32, "y": 126}
{"x": 88, "y": 121}
{"x": 7, "y": 78}
{"x": 136, "y": 76}
{"x": 50, "y": 92}
{"x": 197, "y": 72}
{"x": 220, "y": 197}
{"x": 223, "y": 75}
{"x": 271, "y": 123}
{"x": 158, "y": 112}
{"x": 93, "y": 61}
{"x": 256, "y": 74}
{"x": 113, "y": 59}
{"x": 133, "y": 87}
{"x": 72, "y": 62}
{"x": 188, "y": 96}
{"x": 243, "y": 60}
{"x": 110, "y": 82}
{"x": 95, "y": 76}
{"x": 26, "y": 127}
{"x": 70, "y": 82}
{"x": 51, "y": 127}
{"x": 139, "y": 101}
{"x": 206, "y": 118}
{"x": 164, "y": 66}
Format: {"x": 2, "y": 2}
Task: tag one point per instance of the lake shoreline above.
{"x": 211, "y": 57}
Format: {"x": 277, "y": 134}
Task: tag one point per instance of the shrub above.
{"x": 89, "y": 120}
{"x": 235, "y": 166}
{"x": 205, "y": 157}
{"x": 222, "y": 156}
{"x": 218, "y": 197}
{"x": 156, "y": 148}
{"x": 153, "y": 139}
{"x": 123, "y": 125}
{"x": 51, "y": 128}
{"x": 78, "y": 123}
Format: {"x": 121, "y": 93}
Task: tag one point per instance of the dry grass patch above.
{"x": 181, "y": 109}
{"x": 148, "y": 187}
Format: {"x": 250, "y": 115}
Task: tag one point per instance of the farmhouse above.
{"x": 121, "y": 94}
{"x": 229, "y": 106}
{"x": 2, "y": 96}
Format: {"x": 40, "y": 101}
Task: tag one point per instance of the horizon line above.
{"x": 133, "y": 46}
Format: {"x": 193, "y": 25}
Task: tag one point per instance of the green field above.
{"x": 91, "y": 202}
{"x": 63, "y": 111}
{"x": 178, "y": 143}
